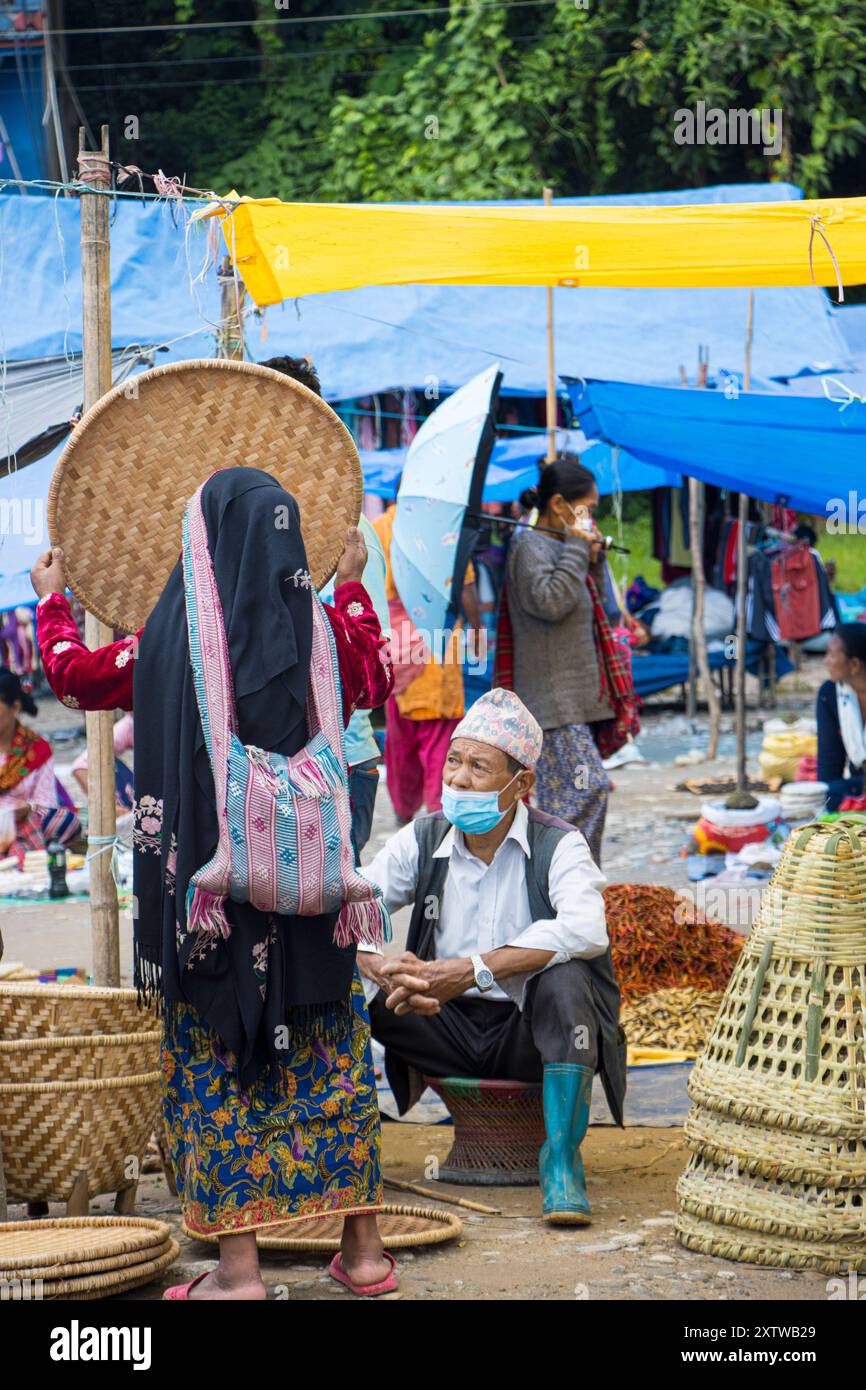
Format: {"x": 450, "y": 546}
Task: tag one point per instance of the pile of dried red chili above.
{"x": 660, "y": 940}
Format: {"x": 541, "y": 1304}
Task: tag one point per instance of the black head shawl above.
{"x": 277, "y": 980}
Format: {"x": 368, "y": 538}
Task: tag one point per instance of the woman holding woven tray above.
{"x": 270, "y": 1096}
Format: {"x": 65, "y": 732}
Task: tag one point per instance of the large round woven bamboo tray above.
{"x": 118, "y": 492}
{"x": 93, "y": 1286}
{"x": 729, "y": 1243}
{"x": 68, "y": 1239}
{"x": 60, "y": 1136}
{"x": 399, "y": 1227}
{"x": 52, "y": 1273}
{"x": 38, "y": 1011}
{"x": 785, "y": 1156}
{"x": 802, "y": 1212}
{"x": 75, "y": 1058}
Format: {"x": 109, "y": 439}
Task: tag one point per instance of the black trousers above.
{"x": 493, "y": 1039}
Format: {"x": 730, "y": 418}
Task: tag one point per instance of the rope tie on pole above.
{"x": 817, "y": 225}
{"x": 107, "y": 843}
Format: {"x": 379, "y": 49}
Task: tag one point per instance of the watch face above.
{"x": 484, "y": 979}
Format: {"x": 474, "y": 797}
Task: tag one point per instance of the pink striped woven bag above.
{"x": 284, "y": 823}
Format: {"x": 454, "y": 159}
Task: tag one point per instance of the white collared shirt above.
{"x": 485, "y": 906}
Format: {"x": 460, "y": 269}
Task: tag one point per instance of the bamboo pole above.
{"x": 699, "y": 643}
{"x": 551, "y": 373}
{"x": 230, "y": 339}
{"x": 101, "y": 812}
{"x": 741, "y": 794}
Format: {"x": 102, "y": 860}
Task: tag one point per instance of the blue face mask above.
{"x": 474, "y": 812}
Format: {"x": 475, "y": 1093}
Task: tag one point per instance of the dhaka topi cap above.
{"x": 502, "y": 720}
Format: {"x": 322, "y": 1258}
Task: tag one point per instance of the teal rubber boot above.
{"x": 567, "y": 1090}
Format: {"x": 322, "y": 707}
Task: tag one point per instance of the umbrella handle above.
{"x": 548, "y": 530}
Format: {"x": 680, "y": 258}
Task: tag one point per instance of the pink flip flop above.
{"x": 181, "y": 1291}
{"x": 388, "y": 1285}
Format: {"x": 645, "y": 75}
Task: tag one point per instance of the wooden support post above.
{"x": 101, "y": 809}
{"x": 742, "y": 582}
{"x": 230, "y": 341}
{"x": 740, "y": 692}
{"x": 699, "y": 641}
{"x": 551, "y": 372}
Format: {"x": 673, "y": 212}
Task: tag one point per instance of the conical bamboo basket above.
{"x": 788, "y": 1048}
{"x": 778, "y": 1126}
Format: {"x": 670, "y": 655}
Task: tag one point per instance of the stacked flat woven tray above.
{"x": 82, "y": 1257}
{"x": 778, "y": 1126}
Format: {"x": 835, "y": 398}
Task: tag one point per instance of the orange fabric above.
{"x": 437, "y": 692}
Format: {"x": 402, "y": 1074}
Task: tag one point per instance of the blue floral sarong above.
{"x": 306, "y": 1146}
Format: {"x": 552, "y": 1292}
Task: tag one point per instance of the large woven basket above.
{"x": 778, "y": 1126}
{"x": 76, "y": 1058}
{"x": 57, "y": 1132}
{"x": 79, "y": 1089}
{"x": 805, "y": 1212}
{"x": 731, "y": 1243}
{"x": 781, "y": 1155}
{"x": 42, "y": 1011}
{"x": 788, "y": 1047}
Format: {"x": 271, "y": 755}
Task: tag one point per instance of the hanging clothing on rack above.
{"x": 370, "y": 423}
{"x": 795, "y": 593}
{"x": 409, "y": 422}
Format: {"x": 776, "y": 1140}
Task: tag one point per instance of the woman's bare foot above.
{"x": 361, "y": 1251}
{"x": 215, "y": 1286}
{"x": 237, "y": 1276}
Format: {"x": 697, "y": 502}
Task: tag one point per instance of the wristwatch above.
{"x": 484, "y": 979}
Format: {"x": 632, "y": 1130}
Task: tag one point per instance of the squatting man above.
{"x": 507, "y": 972}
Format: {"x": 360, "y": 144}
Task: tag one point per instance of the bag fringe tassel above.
{"x": 206, "y": 912}
{"x": 368, "y": 921}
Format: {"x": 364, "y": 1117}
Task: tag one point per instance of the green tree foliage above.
{"x": 483, "y": 101}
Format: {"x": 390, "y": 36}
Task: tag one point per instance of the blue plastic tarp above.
{"x": 514, "y": 466}
{"x": 430, "y": 338}
{"x": 655, "y": 671}
{"x": 23, "y": 528}
{"x": 805, "y": 451}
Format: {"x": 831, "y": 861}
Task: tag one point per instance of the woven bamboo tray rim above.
{"x": 59, "y": 1042}
{"x": 763, "y": 1205}
{"x": 94, "y": 1237}
{"x": 92, "y": 1286}
{"x": 399, "y": 1226}
{"x": 103, "y": 1083}
{"x": 113, "y": 479}
{"x": 30, "y": 989}
{"x": 728, "y": 1243}
{"x": 77, "y": 1269}
{"x": 30, "y": 1010}
{"x": 790, "y": 1156}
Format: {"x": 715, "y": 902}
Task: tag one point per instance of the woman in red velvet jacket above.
{"x": 82, "y": 679}
{"x": 104, "y": 680}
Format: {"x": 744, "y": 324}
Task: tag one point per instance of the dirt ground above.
{"x": 629, "y": 1251}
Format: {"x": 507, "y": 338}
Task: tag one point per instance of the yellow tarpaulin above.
{"x": 288, "y": 249}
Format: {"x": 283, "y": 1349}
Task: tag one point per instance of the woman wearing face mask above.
{"x": 556, "y": 669}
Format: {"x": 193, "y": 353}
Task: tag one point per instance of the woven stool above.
{"x": 498, "y": 1130}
